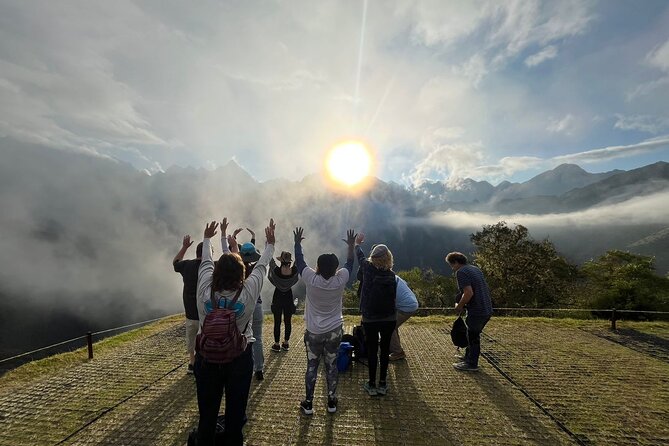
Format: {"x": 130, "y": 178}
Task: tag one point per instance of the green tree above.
{"x": 626, "y": 281}
{"x": 431, "y": 289}
{"x": 520, "y": 271}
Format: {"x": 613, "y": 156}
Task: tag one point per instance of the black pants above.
{"x": 212, "y": 380}
{"x": 287, "y": 311}
{"x": 372, "y": 332}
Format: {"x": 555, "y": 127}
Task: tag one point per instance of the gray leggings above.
{"x": 326, "y": 346}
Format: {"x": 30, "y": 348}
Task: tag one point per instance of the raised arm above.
{"x": 359, "y": 240}
{"x": 224, "y": 236}
{"x": 185, "y": 244}
{"x": 299, "y": 255}
{"x": 253, "y": 236}
{"x": 350, "y": 239}
{"x": 271, "y": 274}
{"x": 253, "y": 283}
{"x": 206, "y": 271}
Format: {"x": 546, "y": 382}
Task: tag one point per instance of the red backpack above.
{"x": 220, "y": 341}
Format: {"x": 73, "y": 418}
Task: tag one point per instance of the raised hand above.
{"x": 237, "y": 231}
{"x": 269, "y": 232}
{"x": 350, "y": 237}
{"x": 186, "y": 242}
{"x": 224, "y": 226}
{"x": 253, "y": 234}
{"x": 298, "y": 235}
{"x": 232, "y": 243}
{"x": 360, "y": 239}
{"x": 210, "y": 229}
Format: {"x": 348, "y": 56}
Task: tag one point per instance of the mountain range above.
{"x": 87, "y": 241}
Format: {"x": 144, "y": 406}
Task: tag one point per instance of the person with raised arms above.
{"x": 220, "y": 368}
{"x": 323, "y": 316}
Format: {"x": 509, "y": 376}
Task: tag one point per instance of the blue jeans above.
{"x": 256, "y": 326}
{"x": 211, "y": 381}
{"x": 475, "y": 326}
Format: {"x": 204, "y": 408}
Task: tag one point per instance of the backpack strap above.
{"x": 214, "y": 302}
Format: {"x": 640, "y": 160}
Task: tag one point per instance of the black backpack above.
{"x": 358, "y": 341}
{"x": 459, "y": 333}
{"x": 382, "y": 293}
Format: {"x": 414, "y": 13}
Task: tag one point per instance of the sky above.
{"x": 439, "y": 90}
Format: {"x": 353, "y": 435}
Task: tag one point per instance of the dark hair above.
{"x": 326, "y": 265}
{"x": 229, "y": 273}
{"x": 198, "y": 250}
{"x": 456, "y": 257}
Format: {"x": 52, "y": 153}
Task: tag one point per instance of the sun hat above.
{"x": 249, "y": 253}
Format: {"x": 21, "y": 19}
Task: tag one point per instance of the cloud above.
{"x": 453, "y": 161}
{"x": 642, "y": 123}
{"x": 550, "y": 52}
{"x": 659, "y": 57}
{"x": 562, "y": 125}
{"x": 456, "y": 161}
{"x": 612, "y": 152}
{"x": 650, "y": 209}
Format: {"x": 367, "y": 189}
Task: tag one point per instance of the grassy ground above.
{"x": 536, "y": 375}
{"x": 61, "y": 362}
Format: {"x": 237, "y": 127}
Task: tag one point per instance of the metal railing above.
{"x": 614, "y": 317}
{"x": 89, "y": 340}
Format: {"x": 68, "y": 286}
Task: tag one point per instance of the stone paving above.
{"x": 541, "y": 382}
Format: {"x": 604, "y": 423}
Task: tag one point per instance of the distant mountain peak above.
{"x": 566, "y": 167}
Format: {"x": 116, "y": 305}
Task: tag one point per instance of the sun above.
{"x": 349, "y": 163}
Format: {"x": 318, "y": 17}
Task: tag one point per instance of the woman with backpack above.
{"x": 378, "y": 290}
{"x": 224, "y": 362}
{"x": 283, "y": 278}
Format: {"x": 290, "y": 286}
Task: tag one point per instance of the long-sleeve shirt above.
{"x": 405, "y": 299}
{"x": 323, "y": 308}
{"x": 281, "y": 282}
{"x": 247, "y": 298}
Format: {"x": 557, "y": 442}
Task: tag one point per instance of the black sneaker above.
{"x": 259, "y": 375}
{"x": 190, "y": 369}
{"x": 332, "y": 404}
{"x": 307, "y": 407}
{"x": 276, "y": 347}
{"x": 285, "y": 347}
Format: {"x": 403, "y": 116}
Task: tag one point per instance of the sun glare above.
{"x": 349, "y": 163}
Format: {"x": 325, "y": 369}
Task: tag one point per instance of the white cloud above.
{"x": 659, "y": 57}
{"x": 550, "y": 52}
{"x": 642, "y": 123}
{"x": 649, "y": 209}
{"x": 563, "y": 125}
{"x": 612, "y": 152}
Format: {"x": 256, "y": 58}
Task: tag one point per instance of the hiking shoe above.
{"x": 307, "y": 407}
{"x": 285, "y": 347}
{"x": 465, "y": 367}
{"x": 190, "y": 369}
{"x": 259, "y": 375}
{"x": 370, "y": 388}
{"x": 332, "y": 404}
{"x": 382, "y": 389}
{"x": 276, "y": 347}
{"x": 397, "y": 356}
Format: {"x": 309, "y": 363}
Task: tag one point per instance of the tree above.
{"x": 520, "y": 271}
{"x": 431, "y": 289}
{"x": 626, "y": 281}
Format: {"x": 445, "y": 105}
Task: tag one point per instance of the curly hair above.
{"x": 229, "y": 273}
{"x": 384, "y": 262}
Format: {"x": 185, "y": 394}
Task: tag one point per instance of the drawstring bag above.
{"x": 459, "y": 333}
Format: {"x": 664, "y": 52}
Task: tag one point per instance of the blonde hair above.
{"x": 384, "y": 262}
